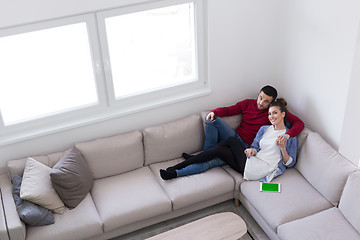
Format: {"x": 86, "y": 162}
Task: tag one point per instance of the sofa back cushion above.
{"x": 17, "y": 166}
{"x": 170, "y": 140}
{"x": 349, "y": 202}
{"x": 302, "y": 137}
{"x": 232, "y": 121}
{"x": 113, "y": 155}
{"x": 323, "y": 167}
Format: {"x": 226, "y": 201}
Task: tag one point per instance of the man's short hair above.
{"x": 270, "y": 91}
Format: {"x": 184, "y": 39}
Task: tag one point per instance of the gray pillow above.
{"x": 29, "y": 212}
{"x": 72, "y": 178}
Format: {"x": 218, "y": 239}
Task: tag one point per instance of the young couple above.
{"x": 261, "y": 147}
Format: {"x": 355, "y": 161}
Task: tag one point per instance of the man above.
{"x": 254, "y": 115}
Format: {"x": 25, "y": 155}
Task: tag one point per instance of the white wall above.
{"x": 240, "y": 39}
{"x": 318, "y": 57}
{"x": 304, "y": 48}
{"x": 349, "y": 144}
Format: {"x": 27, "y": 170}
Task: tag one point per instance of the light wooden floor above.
{"x": 254, "y": 231}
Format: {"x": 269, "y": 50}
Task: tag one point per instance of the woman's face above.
{"x": 275, "y": 115}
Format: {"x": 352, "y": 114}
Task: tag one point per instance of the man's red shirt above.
{"x": 253, "y": 118}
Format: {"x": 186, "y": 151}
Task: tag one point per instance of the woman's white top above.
{"x": 267, "y": 159}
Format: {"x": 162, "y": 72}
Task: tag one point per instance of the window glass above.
{"x": 45, "y": 72}
{"x": 152, "y": 49}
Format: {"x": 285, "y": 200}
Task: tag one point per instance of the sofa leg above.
{"x": 237, "y": 202}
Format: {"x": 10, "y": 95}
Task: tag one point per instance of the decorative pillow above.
{"x": 36, "y": 187}
{"x": 72, "y": 178}
{"x": 29, "y": 212}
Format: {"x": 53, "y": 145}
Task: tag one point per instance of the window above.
{"x": 45, "y": 72}
{"x": 151, "y": 49}
{"x": 153, "y": 54}
{"x": 78, "y": 70}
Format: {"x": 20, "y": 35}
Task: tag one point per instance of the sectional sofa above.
{"x": 318, "y": 198}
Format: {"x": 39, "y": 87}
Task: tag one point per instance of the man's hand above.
{"x": 211, "y": 116}
{"x": 287, "y": 136}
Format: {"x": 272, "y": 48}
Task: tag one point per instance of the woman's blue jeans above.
{"x": 215, "y": 132}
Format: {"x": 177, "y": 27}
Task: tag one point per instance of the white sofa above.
{"x": 308, "y": 206}
{"x": 319, "y": 195}
{"x": 128, "y": 193}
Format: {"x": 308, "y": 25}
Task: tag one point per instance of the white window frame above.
{"x": 109, "y": 107}
{"x": 63, "y": 119}
{"x": 168, "y": 94}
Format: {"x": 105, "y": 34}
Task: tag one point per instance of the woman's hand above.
{"x": 250, "y": 152}
{"x": 281, "y": 141}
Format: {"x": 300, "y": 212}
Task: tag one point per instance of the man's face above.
{"x": 263, "y": 101}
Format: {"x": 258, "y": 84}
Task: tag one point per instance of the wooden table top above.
{"x": 224, "y": 226}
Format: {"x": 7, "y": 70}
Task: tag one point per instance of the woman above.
{"x": 267, "y": 157}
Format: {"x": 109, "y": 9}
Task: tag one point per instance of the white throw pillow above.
{"x": 36, "y": 187}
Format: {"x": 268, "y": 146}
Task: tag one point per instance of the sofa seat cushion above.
{"x": 185, "y": 191}
{"x": 326, "y": 225}
{"x": 128, "y": 198}
{"x": 81, "y": 222}
{"x": 236, "y": 176}
{"x": 297, "y": 199}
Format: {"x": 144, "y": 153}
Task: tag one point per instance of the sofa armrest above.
{"x": 3, "y": 229}
{"x": 15, "y": 227}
